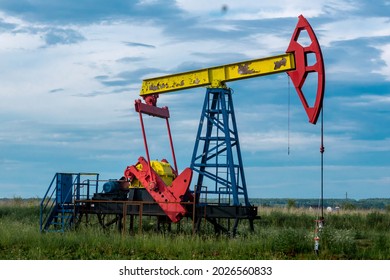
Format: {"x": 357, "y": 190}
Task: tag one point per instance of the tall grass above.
{"x": 279, "y": 234}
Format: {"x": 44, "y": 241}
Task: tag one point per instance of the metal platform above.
{"x": 126, "y": 210}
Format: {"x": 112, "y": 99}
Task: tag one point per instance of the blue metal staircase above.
{"x": 59, "y": 206}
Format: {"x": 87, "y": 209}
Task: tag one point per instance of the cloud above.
{"x": 260, "y": 10}
{"x": 125, "y": 78}
{"x": 135, "y": 44}
{"x": 345, "y": 30}
{"x": 267, "y": 182}
{"x": 87, "y": 11}
{"x": 385, "y": 58}
{"x": 42, "y": 34}
{"x": 56, "y": 90}
{"x": 372, "y": 101}
{"x": 344, "y": 60}
{"x": 115, "y": 83}
{"x": 277, "y": 140}
{"x": 130, "y": 59}
{"x": 347, "y": 146}
{"x": 55, "y": 36}
{"x": 71, "y": 71}
{"x": 6, "y": 26}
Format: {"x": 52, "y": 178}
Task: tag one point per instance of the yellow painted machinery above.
{"x": 163, "y": 170}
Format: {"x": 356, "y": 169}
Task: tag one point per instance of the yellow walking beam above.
{"x": 219, "y": 75}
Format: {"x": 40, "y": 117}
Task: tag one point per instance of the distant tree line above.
{"x": 370, "y": 203}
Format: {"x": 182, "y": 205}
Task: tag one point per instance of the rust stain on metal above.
{"x": 159, "y": 86}
{"x": 153, "y": 87}
{"x": 181, "y": 84}
{"x": 196, "y": 81}
{"x": 280, "y": 63}
{"x": 243, "y": 69}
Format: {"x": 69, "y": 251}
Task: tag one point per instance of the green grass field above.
{"x": 280, "y": 234}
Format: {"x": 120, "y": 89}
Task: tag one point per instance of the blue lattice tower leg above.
{"x": 217, "y": 154}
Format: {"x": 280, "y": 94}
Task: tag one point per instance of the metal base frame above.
{"x": 110, "y": 210}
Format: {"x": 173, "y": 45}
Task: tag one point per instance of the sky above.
{"x": 70, "y": 72}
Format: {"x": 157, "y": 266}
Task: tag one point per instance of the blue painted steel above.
{"x": 58, "y": 207}
{"x": 64, "y": 188}
{"x": 217, "y": 154}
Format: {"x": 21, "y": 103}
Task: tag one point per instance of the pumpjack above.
{"x": 155, "y": 188}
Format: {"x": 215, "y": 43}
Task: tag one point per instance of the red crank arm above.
{"x": 298, "y": 76}
{"x": 168, "y": 197}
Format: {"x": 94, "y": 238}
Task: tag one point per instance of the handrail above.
{"x": 51, "y": 205}
{"x": 47, "y": 199}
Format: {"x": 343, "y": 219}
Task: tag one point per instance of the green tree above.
{"x": 348, "y": 206}
{"x": 291, "y": 203}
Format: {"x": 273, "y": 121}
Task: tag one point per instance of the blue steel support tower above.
{"x": 217, "y": 154}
